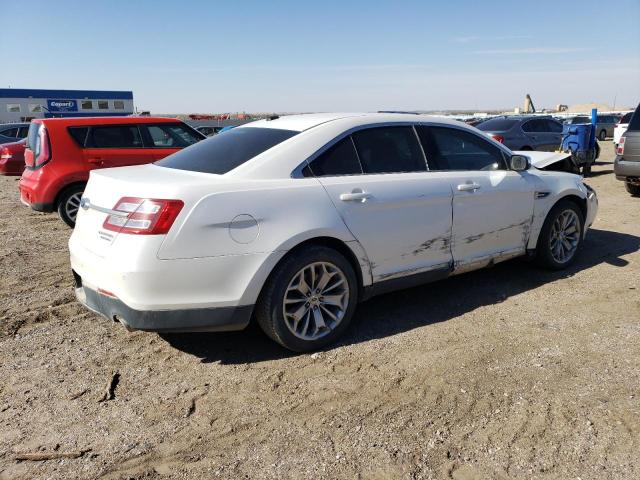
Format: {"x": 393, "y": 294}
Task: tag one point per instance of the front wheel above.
{"x": 632, "y": 189}
{"x": 69, "y": 204}
{"x": 309, "y": 299}
{"x": 602, "y": 136}
{"x": 561, "y": 236}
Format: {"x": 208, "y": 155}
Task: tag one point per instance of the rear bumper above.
{"x": 217, "y": 319}
{"x": 624, "y": 169}
{"x": 31, "y": 193}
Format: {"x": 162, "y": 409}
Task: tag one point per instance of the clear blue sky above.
{"x": 206, "y": 56}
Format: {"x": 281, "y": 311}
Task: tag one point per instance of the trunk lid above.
{"x": 107, "y": 186}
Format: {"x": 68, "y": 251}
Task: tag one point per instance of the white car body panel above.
{"x": 234, "y": 228}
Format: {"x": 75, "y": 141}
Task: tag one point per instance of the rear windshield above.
{"x": 497, "y": 125}
{"x": 227, "y": 150}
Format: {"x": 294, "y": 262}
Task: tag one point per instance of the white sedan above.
{"x": 293, "y": 220}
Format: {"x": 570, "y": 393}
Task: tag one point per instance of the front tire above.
{"x": 632, "y": 189}
{"x": 309, "y": 300}
{"x": 69, "y": 204}
{"x": 561, "y": 236}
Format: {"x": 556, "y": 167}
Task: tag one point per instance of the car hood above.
{"x": 544, "y": 159}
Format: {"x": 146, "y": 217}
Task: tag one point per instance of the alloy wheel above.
{"x": 73, "y": 205}
{"x": 315, "y": 300}
{"x": 565, "y": 236}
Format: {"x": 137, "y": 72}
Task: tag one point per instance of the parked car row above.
{"x": 293, "y": 220}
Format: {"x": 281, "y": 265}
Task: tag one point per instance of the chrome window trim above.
{"x": 297, "y": 172}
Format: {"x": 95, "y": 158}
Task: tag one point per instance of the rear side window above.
{"x": 340, "y": 159}
{"x": 497, "y": 125}
{"x": 389, "y": 150}
{"x": 114, "y": 136}
{"x": 171, "y": 136}
{"x": 10, "y": 132}
{"x": 634, "y": 122}
{"x": 223, "y": 153}
{"x": 24, "y": 131}
{"x": 79, "y": 134}
{"x": 455, "y": 149}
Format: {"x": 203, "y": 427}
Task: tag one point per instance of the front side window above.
{"x": 13, "y": 107}
{"x": 553, "y": 126}
{"x": 389, "y": 150}
{"x": 86, "y": 105}
{"x": 114, "y": 136}
{"x": 103, "y": 105}
{"x": 118, "y": 105}
{"x": 339, "y": 159}
{"x": 222, "y": 153}
{"x": 171, "y": 136}
{"x": 454, "y": 149}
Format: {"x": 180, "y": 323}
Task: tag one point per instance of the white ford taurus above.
{"x": 294, "y": 220}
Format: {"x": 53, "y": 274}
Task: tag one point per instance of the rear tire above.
{"x": 561, "y": 236}
{"x": 303, "y": 310}
{"x": 602, "y": 136}
{"x": 69, "y": 204}
{"x": 632, "y": 189}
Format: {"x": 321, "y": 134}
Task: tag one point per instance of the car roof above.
{"x": 302, "y": 122}
{"x": 105, "y": 120}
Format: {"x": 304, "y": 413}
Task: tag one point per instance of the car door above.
{"x": 554, "y": 129}
{"x": 109, "y": 146}
{"x": 492, "y": 206}
{"x": 398, "y": 211}
{"x": 538, "y": 134}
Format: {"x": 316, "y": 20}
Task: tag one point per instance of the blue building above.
{"x": 23, "y": 105}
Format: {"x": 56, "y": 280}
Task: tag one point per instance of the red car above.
{"x": 12, "y": 158}
{"x": 61, "y": 152}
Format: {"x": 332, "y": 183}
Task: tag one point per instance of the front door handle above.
{"x": 468, "y": 187}
{"x": 357, "y": 195}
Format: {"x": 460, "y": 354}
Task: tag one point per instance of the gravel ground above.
{"x": 510, "y": 372}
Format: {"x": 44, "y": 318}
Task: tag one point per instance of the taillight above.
{"x": 145, "y": 216}
{"x": 498, "y": 138}
{"x": 43, "y": 148}
{"x": 5, "y": 154}
{"x": 620, "y": 147}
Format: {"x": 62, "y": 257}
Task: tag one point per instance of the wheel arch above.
{"x": 352, "y": 251}
{"x": 539, "y": 221}
{"x": 66, "y": 187}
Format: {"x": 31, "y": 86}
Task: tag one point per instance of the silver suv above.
{"x": 525, "y": 132}
{"x": 627, "y": 163}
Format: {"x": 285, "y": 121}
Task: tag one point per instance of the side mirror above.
{"x": 519, "y": 163}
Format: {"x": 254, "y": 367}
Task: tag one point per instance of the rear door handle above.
{"x": 468, "y": 187}
{"x": 355, "y": 196}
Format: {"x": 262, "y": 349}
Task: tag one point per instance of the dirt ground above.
{"x": 510, "y": 372}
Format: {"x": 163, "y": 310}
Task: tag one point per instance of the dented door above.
{"x": 492, "y": 215}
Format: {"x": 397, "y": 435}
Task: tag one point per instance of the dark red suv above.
{"x": 62, "y": 151}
